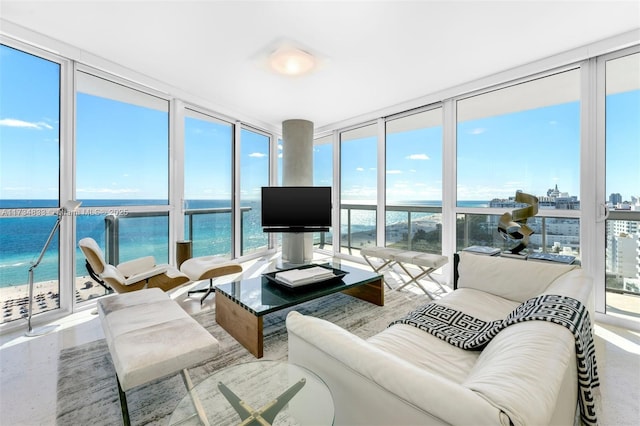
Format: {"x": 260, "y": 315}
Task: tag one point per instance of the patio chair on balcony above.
{"x": 132, "y": 275}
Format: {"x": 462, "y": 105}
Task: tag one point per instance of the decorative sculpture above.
{"x": 513, "y": 226}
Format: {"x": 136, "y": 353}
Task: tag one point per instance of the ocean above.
{"x": 22, "y": 238}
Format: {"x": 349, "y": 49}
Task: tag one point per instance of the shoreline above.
{"x": 14, "y": 300}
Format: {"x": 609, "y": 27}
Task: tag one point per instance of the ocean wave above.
{"x": 14, "y": 265}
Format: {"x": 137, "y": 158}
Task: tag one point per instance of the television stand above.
{"x": 296, "y": 229}
{"x": 282, "y": 265}
{"x": 293, "y": 252}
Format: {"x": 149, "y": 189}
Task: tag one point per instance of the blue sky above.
{"x": 532, "y": 151}
{"x": 118, "y": 155}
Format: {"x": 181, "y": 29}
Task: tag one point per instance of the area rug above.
{"x": 87, "y": 389}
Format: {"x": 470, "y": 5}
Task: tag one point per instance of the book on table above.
{"x": 521, "y": 256}
{"x": 567, "y": 259}
{"x": 485, "y": 250}
{"x": 298, "y": 277}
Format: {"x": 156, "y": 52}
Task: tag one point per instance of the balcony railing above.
{"x": 408, "y": 226}
{"x": 471, "y": 231}
{"x": 113, "y": 234}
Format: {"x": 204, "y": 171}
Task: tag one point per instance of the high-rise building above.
{"x": 623, "y": 248}
{"x": 615, "y": 199}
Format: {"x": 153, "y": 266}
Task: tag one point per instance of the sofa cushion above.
{"x": 512, "y": 279}
{"x": 478, "y": 304}
{"x": 425, "y": 351}
{"x": 436, "y": 355}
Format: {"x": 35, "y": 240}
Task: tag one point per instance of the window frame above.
{"x": 180, "y": 182}
{"x": 601, "y": 214}
{"x": 66, "y": 185}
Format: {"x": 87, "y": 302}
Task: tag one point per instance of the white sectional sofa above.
{"x": 526, "y": 375}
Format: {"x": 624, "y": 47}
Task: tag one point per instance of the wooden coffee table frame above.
{"x": 247, "y": 327}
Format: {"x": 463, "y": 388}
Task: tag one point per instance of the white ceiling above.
{"x": 374, "y": 54}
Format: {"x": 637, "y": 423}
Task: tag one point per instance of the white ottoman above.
{"x": 426, "y": 262}
{"x": 208, "y": 268}
{"x": 385, "y": 254}
{"x": 149, "y": 337}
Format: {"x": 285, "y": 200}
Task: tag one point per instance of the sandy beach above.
{"x": 14, "y": 300}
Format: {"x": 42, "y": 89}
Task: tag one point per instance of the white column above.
{"x": 297, "y": 170}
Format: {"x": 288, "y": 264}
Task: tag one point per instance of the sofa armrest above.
{"x": 371, "y": 386}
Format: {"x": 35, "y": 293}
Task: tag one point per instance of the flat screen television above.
{"x": 296, "y": 208}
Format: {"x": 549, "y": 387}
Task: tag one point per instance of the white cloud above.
{"x": 359, "y": 169}
{"x": 477, "y": 131}
{"x": 108, "y": 190}
{"x": 16, "y": 188}
{"x": 12, "y": 122}
{"x": 394, "y": 172}
{"x": 257, "y": 155}
{"x": 417, "y": 157}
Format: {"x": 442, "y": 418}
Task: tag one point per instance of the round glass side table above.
{"x": 257, "y": 393}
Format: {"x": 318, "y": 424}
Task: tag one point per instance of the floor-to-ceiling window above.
{"x": 523, "y": 137}
{"x": 208, "y": 184}
{"x": 122, "y": 173}
{"x": 414, "y": 181}
{"x": 622, "y": 186}
{"x": 254, "y": 174}
{"x": 108, "y": 144}
{"x": 358, "y": 188}
{"x": 323, "y": 176}
{"x": 29, "y": 180}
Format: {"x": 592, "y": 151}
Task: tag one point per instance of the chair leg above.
{"x": 123, "y": 405}
{"x": 387, "y": 263}
{"x": 207, "y": 291}
{"x": 415, "y": 279}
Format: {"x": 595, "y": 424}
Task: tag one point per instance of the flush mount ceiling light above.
{"x": 291, "y": 61}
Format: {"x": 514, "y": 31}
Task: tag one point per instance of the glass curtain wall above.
{"x": 358, "y": 188}
{"x": 323, "y": 176}
{"x": 122, "y": 174}
{"x": 622, "y": 139}
{"x": 254, "y": 174}
{"x": 117, "y": 164}
{"x": 524, "y": 137}
{"x": 30, "y": 181}
{"x": 208, "y": 184}
{"x": 414, "y": 182}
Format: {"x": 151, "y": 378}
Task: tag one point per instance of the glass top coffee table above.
{"x": 240, "y": 305}
{"x": 257, "y": 393}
